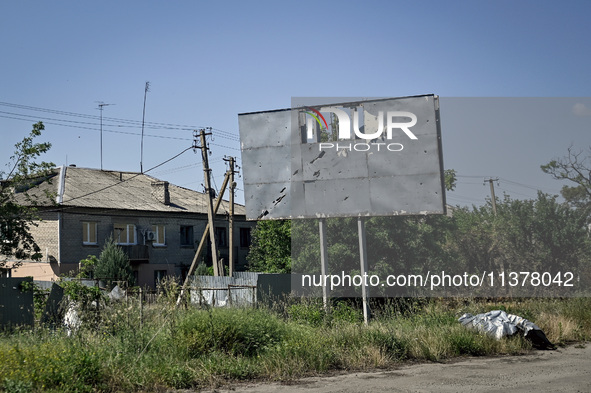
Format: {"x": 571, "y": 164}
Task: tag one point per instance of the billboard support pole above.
{"x": 363, "y": 265}
{"x": 323, "y": 260}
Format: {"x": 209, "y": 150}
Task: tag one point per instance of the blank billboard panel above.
{"x": 361, "y": 157}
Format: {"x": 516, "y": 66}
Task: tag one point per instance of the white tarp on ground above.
{"x": 499, "y": 324}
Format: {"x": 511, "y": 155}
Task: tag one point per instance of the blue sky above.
{"x": 208, "y": 61}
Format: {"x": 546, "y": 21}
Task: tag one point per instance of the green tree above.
{"x": 19, "y": 197}
{"x": 450, "y": 179}
{"x": 271, "y": 247}
{"x": 113, "y": 264}
{"x": 576, "y": 168}
{"x": 527, "y": 235}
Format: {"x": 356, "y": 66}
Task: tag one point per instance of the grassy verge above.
{"x": 192, "y": 348}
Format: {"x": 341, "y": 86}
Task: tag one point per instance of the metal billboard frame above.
{"x": 286, "y": 176}
{"x": 316, "y": 184}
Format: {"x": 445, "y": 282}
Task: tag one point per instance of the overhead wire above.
{"x": 125, "y": 123}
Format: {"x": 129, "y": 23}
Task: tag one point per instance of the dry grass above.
{"x": 196, "y": 348}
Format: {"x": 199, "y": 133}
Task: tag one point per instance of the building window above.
{"x": 124, "y": 234}
{"x": 220, "y": 235}
{"x": 187, "y": 236}
{"x": 244, "y": 237}
{"x": 89, "y": 233}
{"x": 159, "y": 235}
{"x": 158, "y": 277}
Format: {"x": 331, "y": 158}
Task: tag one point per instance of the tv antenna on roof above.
{"x": 101, "y": 104}
{"x": 146, "y": 90}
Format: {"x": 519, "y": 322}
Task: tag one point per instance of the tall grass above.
{"x": 191, "y": 348}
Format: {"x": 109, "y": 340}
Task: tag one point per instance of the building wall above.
{"x": 173, "y": 258}
{"x": 45, "y": 234}
{"x": 62, "y": 252}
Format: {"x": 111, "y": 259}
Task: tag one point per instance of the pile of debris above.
{"x": 499, "y": 324}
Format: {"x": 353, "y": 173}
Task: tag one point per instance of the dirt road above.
{"x": 563, "y": 370}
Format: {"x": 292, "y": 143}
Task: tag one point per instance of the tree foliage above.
{"x": 525, "y": 235}
{"x": 271, "y": 247}
{"x": 576, "y": 168}
{"x": 540, "y": 234}
{"x": 113, "y": 264}
{"x": 19, "y": 199}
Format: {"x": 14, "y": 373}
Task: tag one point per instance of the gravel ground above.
{"x": 563, "y": 370}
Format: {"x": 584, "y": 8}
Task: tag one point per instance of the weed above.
{"x": 176, "y": 348}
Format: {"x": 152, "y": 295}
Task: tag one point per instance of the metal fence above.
{"x": 16, "y": 302}
{"x": 238, "y": 290}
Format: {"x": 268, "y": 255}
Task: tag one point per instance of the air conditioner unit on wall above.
{"x": 150, "y": 236}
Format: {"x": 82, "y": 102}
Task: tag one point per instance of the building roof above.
{"x": 95, "y": 188}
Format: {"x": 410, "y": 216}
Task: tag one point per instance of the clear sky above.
{"x": 208, "y": 61}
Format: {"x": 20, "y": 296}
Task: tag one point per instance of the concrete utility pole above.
{"x": 232, "y": 170}
{"x": 210, "y": 212}
{"x": 492, "y": 193}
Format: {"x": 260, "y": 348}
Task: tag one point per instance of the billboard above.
{"x": 343, "y": 158}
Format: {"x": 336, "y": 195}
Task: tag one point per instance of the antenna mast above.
{"x": 146, "y": 90}
{"x": 101, "y": 105}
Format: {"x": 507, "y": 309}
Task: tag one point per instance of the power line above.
{"x": 114, "y": 119}
{"x": 125, "y": 123}
{"x": 98, "y": 129}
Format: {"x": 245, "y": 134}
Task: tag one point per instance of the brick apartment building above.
{"x": 158, "y": 224}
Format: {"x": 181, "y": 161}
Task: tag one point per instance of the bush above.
{"x": 113, "y": 264}
{"x": 237, "y": 332}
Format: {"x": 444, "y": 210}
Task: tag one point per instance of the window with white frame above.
{"x": 124, "y": 234}
{"x": 89, "y": 231}
{"x": 159, "y": 235}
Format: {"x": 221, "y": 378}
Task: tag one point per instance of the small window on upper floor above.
{"x": 124, "y": 234}
{"x": 159, "y": 235}
{"x": 187, "y": 239}
{"x": 89, "y": 233}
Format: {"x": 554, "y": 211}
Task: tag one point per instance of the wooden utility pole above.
{"x": 492, "y": 193}
{"x": 231, "y": 160}
{"x": 204, "y": 238}
{"x": 210, "y": 213}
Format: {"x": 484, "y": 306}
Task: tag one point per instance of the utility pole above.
{"x": 146, "y": 90}
{"x": 231, "y": 171}
{"x": 101, "y": 105}
{"x": 204, "y": 238}
{"x": 210, "y": 212}
{"x": 492, "y": 193}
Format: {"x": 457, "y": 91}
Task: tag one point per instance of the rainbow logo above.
{"x": 316, "y": 117}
